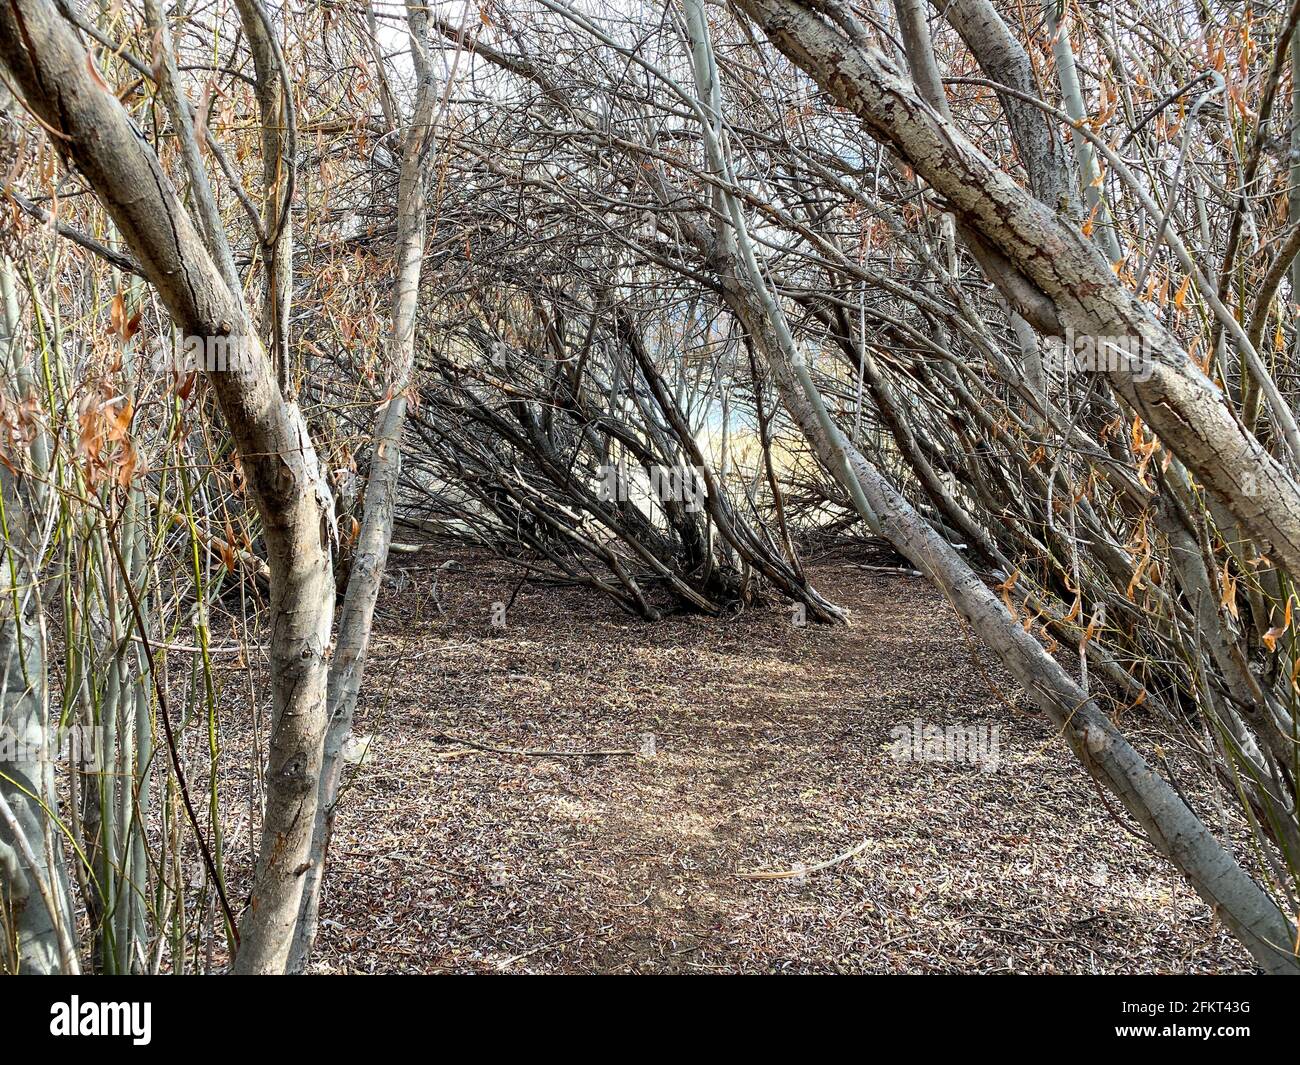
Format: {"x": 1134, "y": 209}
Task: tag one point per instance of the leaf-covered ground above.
{"x": 771, "y": 748}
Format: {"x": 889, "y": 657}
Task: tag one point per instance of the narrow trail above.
{"x": 771, "y": 747}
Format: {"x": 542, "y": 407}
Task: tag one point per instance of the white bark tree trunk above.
{"x": 34, "y": 890}
{"x": 1059, "y": 265}
{"x": 1172, "y": 827}
{"x": 376, "y": 532}
{"x": 47, "y": 63}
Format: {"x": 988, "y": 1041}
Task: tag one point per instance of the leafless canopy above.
{"x": 653, "y": 298}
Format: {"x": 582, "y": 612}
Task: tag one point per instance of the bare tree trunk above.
{"x": 376, "y": 533}
{"x": 1005, "y": 61}
{"x": 1061, "y": 266}
{"x": 35, "y": 902}
{"x": 1067, "y": 73}
{"x": 55, "y": 74}
{"x": 36, "y": 914}
{"x": 278, "y": 147}
{"x": 1172, "y": 827}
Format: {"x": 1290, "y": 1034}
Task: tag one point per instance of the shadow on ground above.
{"x": 771, "y": 748}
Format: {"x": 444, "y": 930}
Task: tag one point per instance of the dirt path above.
{"x": 771, "y": 747}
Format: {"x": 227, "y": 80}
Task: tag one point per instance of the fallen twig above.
{"x": 451, "y": 737}
{"x": 906, "y": 571}
{"x": 786, "y": 874}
